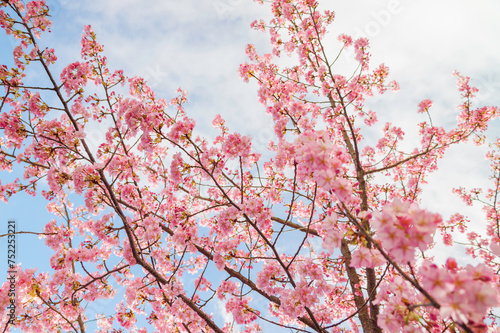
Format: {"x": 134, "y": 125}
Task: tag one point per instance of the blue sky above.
{"x": 199, "y": 44}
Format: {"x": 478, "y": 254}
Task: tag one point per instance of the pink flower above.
{"x": 342, "y": 189}
{"x": 125, "y": 316}
{"x": 360, "y": 47}
{"x": 364, "y": 257}
{"x": 424, "y": 105}
{"x": 240, "y": 310}
{"x": 325, "y": 178}
{"x": 332, "y": 240}
{"x": 227, "y": 287}
{"x": 218, "y": 121}
{"x": 236, "y": 145}
{"x": 346, "y": 39}
{"x": 495, "y": 248}
{"x": 402, "y": 228}
{"x": 75, "y": 76}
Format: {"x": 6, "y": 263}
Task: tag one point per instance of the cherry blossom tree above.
{"x": 323, "y": 232}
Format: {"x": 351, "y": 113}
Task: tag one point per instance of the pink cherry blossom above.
{"x": 324, "y": 230}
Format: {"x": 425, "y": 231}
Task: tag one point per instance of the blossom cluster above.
{"x": 332, "y": 236}
{"x": 397, "y": 296}
{"x": 318, "y": 158}
{"x": 403, "y": 227}
{"x": 465, "y": 294}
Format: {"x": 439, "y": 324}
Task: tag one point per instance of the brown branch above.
{"x": 426, "y": 151}
{"x": 295, "y": 226}
{"x": 356, "y": 290}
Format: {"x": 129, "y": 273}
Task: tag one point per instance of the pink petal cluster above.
{"x": 320, "y": 160}
{"x": 332, "y": 236}
{"x": 241, "y": 311}
{"x": 465, "y": 294}
{"x": 365, "y": 257}
{"x": 403, "y": 227}
{"x": 75, "y": 77}
{"x": 236, "y": 145}
{"x": 397, "y": 295}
